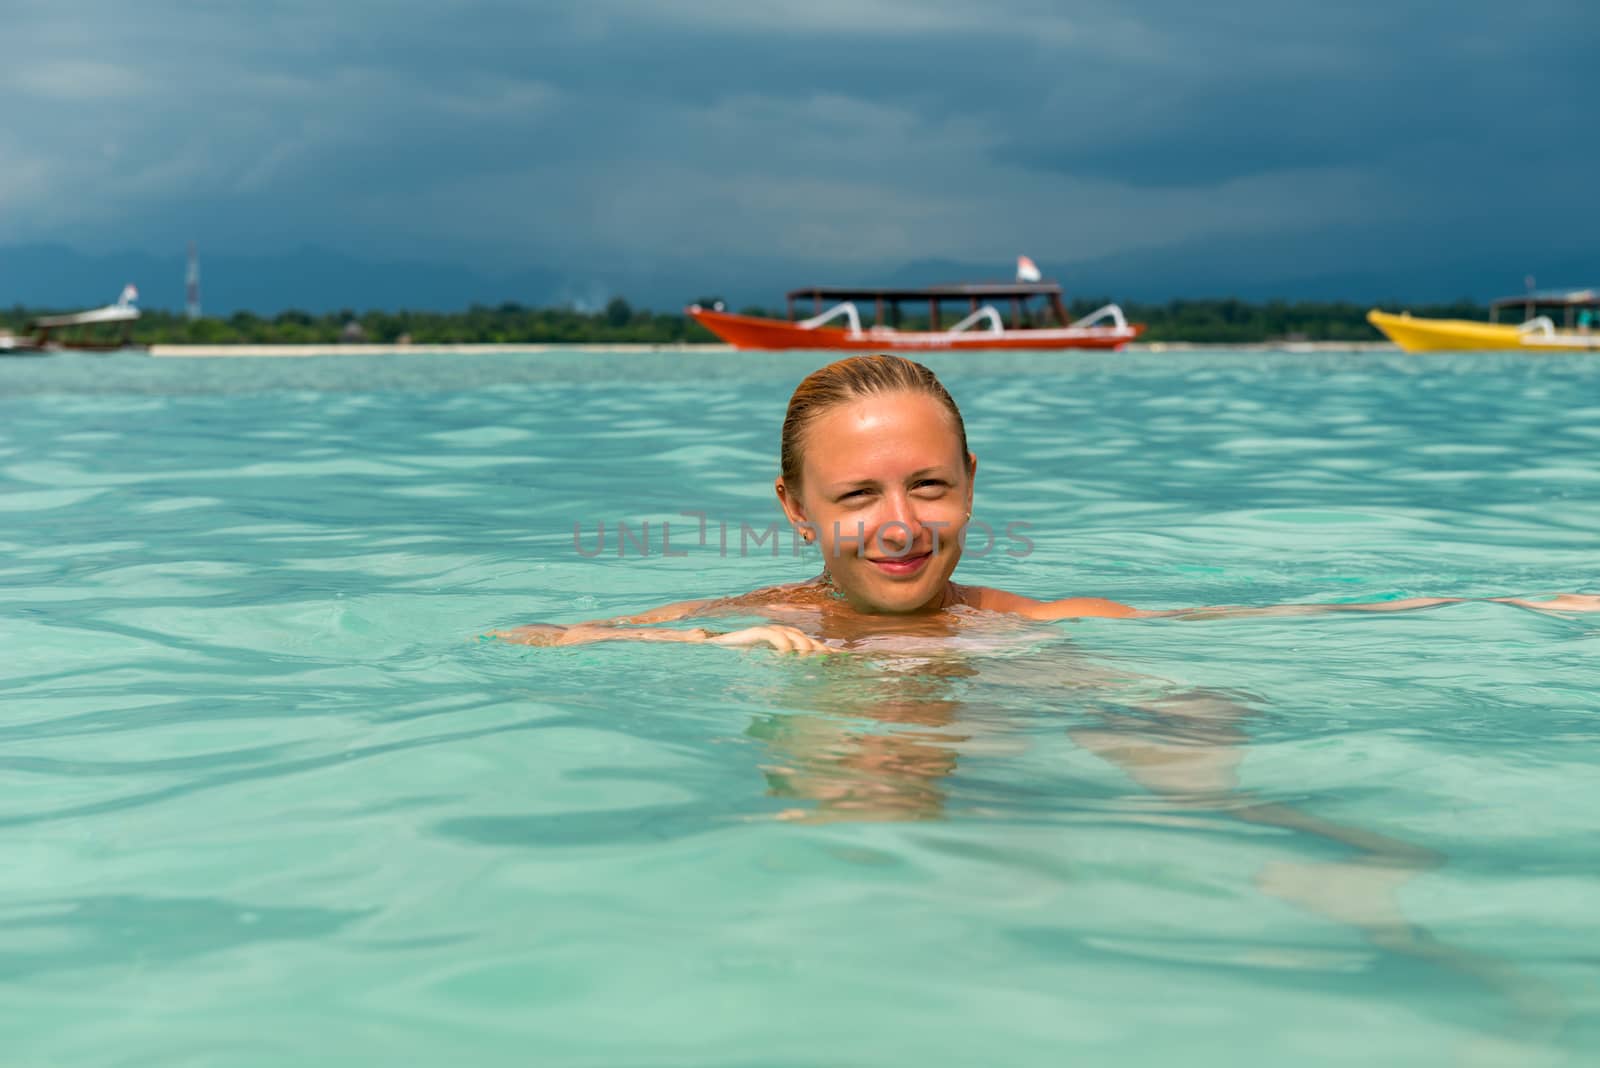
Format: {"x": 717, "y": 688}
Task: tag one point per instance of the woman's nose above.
{"x": 898, "y": 524}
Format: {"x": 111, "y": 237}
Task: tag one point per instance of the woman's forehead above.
{"x": 912, "y": 430}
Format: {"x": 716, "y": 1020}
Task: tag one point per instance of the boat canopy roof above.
{"x": 112, "y": 313}
{"x": 1561, "y": 298}
{"x": 996, "y": 290}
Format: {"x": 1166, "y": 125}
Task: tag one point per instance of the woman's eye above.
{"x": 929, "y": 483}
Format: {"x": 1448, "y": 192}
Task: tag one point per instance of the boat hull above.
{"x": 31, "y": 347}
{"x": 1465, "y": 335}
{"x": 759, "y": 333}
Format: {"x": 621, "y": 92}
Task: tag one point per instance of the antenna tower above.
{"x": 191, "y": 284}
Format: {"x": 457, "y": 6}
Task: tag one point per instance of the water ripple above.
{"x": 258, "y": 777}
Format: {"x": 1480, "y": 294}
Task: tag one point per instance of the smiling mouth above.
{"x": 900, "y": 566}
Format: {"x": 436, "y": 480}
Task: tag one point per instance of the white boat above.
{"x": 79, "y": 331}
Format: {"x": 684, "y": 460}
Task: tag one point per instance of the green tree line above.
{"x": 1213, "y": 320}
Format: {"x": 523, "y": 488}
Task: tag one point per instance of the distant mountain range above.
{"x": 310, "y": 279}
{"x": 1293, "y": 269}
{"x": 321, "y": 280}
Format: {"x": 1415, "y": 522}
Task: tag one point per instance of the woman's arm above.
{"x": 1230, "y": 611}
{"x": 1560, "y": 602}
{"x": 584, "y": 633}
{"x": 634, "y": 628}
{"x": 614, "y": 629}
{"x": 1100, "y": 608}
{"x": 783, "y": 639}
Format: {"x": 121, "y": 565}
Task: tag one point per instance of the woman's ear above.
{"x": 972, "y": 475}
{"x": 790, "y": 502}
{"x": 804, "y": 528}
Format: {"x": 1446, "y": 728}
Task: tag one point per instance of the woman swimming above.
{"x": 875, "y": 471}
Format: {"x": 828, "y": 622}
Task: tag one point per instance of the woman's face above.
{"x": 886, "y": 489}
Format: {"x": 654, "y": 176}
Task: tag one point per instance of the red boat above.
{"x": 1031, "y": 326}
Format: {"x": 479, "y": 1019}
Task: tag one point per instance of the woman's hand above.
{"x": 784, "y": 639}
{"x": 1561, "y": 602}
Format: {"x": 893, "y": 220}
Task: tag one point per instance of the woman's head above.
{"x": 851, "y": 379}
{"x": 876, "y": 471}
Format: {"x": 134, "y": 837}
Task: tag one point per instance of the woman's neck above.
{"x": 949, "y": 596}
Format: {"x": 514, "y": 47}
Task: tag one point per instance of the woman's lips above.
{"x": 901, "y": 566}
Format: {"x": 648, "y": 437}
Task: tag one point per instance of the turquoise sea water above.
{"x": 264, "y": 799}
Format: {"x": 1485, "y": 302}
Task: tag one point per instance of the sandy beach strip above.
{"x": 192, "y": 351}
{"x": 336, "y": 349}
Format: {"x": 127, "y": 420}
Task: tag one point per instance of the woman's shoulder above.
{"x": 988, "y": 599}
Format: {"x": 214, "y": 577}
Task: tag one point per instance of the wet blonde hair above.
{"x": 848, "y": 380}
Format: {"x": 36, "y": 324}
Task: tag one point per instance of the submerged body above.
{"x": 877, "y": 474}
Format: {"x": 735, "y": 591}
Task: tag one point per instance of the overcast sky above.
{"x": 700, "y": 136}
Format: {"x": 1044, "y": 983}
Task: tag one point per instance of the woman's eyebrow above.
{"x": 857, "y": 483}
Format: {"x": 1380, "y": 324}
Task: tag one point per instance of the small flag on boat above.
{"x": 1027, "y": 270}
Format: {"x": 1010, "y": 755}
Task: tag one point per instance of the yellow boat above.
{"x": 1537, "y": 333}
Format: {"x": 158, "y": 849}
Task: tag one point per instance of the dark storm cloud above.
{"x": 1388, "y": 86}
{"x": 630, "y": 137}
